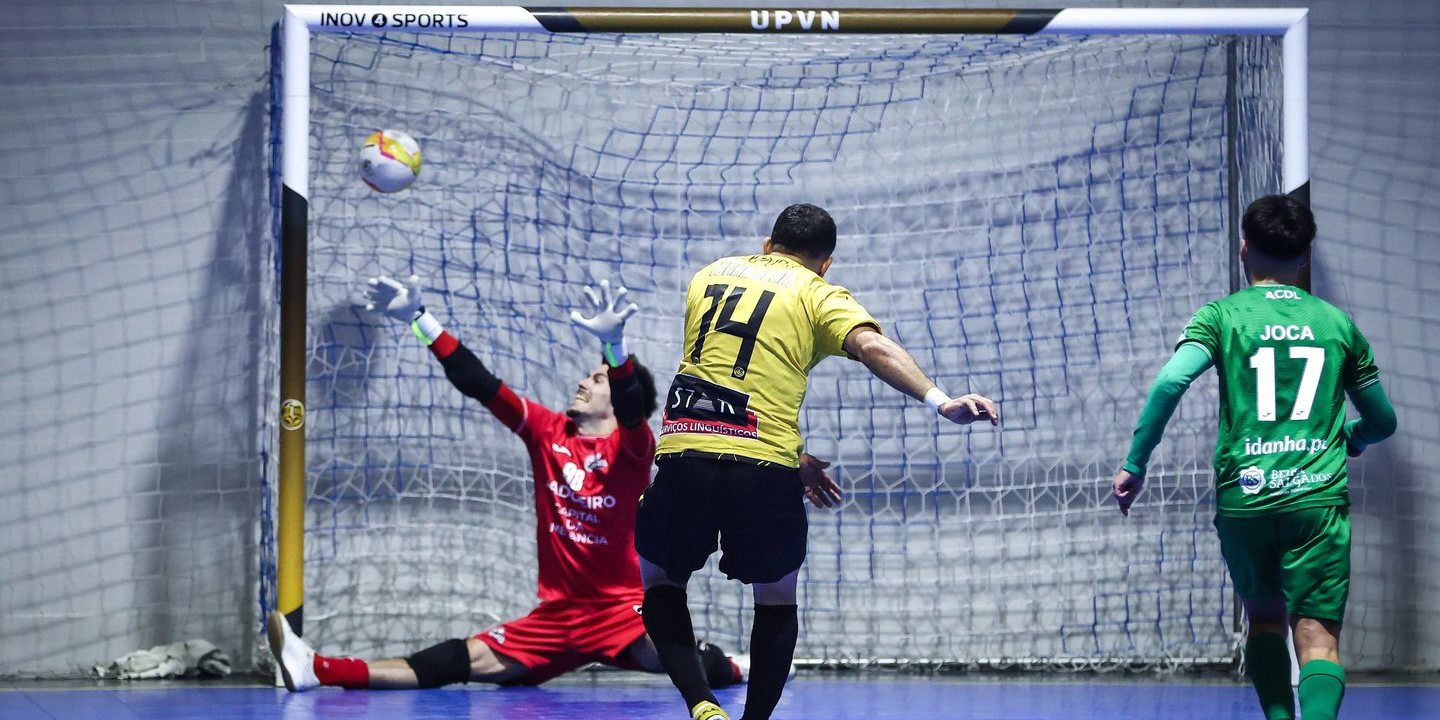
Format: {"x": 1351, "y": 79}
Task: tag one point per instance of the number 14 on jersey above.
{"x": 746, "y": 331}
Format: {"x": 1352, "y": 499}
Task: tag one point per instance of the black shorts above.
{"x": 756, "y": 511}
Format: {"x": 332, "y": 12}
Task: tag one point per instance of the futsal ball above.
{"x": 389, "y": 161}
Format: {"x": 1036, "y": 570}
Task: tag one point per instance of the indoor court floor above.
{"x": 605, "y": 697}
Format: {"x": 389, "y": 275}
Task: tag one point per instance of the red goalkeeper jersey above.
{"x": 586, "y": 492}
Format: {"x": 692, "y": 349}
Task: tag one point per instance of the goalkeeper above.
{"x": 591, "y": 463}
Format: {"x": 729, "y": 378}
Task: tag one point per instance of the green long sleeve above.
{"x": 1190, "y": 361}
{"x": 1376, "y": 421}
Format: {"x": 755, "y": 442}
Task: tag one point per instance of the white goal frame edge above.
{"x": 1292, "y": 23}
{"x": 300, "y": 21}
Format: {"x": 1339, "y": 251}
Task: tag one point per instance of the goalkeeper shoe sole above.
{"x": 293, "y": 655}
{"x": 741, "y": 664}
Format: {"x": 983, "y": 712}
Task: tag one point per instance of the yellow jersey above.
{"x": 754, "y": 327}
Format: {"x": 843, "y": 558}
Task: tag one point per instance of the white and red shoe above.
{"x": 741, "y": 664}
{"x": 294, "y": 657}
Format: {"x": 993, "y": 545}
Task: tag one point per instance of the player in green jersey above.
{"x": 1286, "y": 360}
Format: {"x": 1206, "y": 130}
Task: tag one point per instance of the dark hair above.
{"x": 647, "y": 386}
{"x": 806, "y": 230}
{"x": 1278, "y": 226}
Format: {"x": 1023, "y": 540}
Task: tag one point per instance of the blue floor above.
{"x": 886, "y": 699}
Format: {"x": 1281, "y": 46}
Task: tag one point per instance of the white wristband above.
{"x": 426, "y": 327}
{"x": 935, "y": 397}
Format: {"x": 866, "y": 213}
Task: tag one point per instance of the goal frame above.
{"x": 300, "y": 22}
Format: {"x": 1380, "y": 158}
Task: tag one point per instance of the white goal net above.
{"x": 1035, "y": 218}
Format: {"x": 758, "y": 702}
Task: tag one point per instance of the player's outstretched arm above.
{"x": 400, "y": 300}
{"x": 1376, "y": 421}
{"x": 1190, "y": 361}
{"x": 890, "y": 362}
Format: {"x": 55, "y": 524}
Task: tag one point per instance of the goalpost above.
{"x": 1033, "y": 201}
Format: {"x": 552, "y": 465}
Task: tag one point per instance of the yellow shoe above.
{"x": 706, "y": 710}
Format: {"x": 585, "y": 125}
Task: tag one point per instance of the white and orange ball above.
{"x": 389, "y": 161}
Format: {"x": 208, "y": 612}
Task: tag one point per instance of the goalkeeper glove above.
{"x": 400, "y": 299}
{"x": 397, "y": 298}
{"x": 607, "y": 320}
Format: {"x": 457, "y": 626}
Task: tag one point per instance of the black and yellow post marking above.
{"x": 290, "y": 535}
{"x": 740, "y": 20}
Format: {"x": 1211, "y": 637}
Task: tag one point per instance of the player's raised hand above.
{"x": 1126, "y": 487}
{"x": 607, "y": 313}
{"x": 400, "y": 299}
{"x": 967, "y": 409}
{"x": 820, "y": 488}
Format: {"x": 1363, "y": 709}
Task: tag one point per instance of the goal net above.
{"x": 1035, "y": 218}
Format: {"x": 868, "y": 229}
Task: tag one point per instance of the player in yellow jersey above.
{"x": 731, "y": 466}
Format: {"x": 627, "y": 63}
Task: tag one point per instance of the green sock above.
{"x": 1267, "y": 659}
{"x": 1322, "y": 687}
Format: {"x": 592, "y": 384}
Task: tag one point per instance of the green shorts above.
{"x": 1302, "y": 555}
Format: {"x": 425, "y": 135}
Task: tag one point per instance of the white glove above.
{"x": 397, "y": 298}
{"x": 607, "y": 320}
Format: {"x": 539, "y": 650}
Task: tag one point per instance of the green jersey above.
{"x": 1285, "y": 359}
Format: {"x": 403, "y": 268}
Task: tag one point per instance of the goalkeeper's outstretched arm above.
{"x": 890, "y": 362}
{"x": 401, "y": 301}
